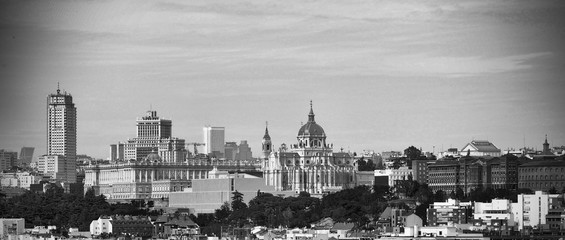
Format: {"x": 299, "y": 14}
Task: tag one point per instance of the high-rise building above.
{"x": 7, "y": 159}
{"x": 230, "y": 150}
{"x": 244, "y": 151}
{"x": 62, "y": 132}
{"x": 214, "y": 141}
{"x": 61, "y": 125}
{"x": 117, "y": 152}
{"x": 154, "y": 135}
{"x": 26, "y": 155}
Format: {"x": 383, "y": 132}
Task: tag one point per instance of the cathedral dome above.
{"x": 311, "y": 128}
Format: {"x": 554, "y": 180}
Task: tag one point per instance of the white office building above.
{"x": 498, "y": 209}
{"x": 531, "y": 209}
{"x": 214, "y": 141}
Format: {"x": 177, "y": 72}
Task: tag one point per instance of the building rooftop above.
{"x": 544, "y": 163}
{"x": 482, "y": 146}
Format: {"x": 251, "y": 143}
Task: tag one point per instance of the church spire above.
{"x": 266, "y": 136}
{"x": 546, "y": 139}
{"x": 311, "y": 114}
{"x": 266, "y": 145}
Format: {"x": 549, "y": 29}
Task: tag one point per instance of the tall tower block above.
{"x": 62, "y": 130}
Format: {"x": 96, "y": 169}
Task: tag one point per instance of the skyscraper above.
{"x": 7, "y": 159}
{"x": 244, "y": 151}
{"x": 214, "y": 140}
{"x": 26, "y": 155}
{"x": 62, "y": 132}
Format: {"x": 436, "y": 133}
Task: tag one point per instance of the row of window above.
{"x": 543, "y": 177}
{"x": 543, "y": 170}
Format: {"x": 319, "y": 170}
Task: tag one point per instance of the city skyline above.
{"x": 382, "y": 75}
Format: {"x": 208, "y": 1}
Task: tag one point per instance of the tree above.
{"x": 439, "y": 196}
{"x": 363, "y": 165}
{"x": 459, "y": 194}
{"x": 412, "y": 153}
{"x": 238, "y": 215}
{"x": 221, "y": 215}
{"x": 237, "y": 201}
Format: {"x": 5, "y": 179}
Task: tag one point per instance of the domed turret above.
{"x": 311, "y": 135}
{"x": 311, "y": 128}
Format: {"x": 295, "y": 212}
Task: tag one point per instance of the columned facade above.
{"x": 149, "y": 179}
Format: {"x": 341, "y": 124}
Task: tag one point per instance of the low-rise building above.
{"x": 207, "y": 195}
{"x": 449, "y": 213}
{"x": 542, "y": 175}
{"x": 20, "y": 179}
{"x": 138, "y": 226}
{"x": 102, "y": 225}
{"x": 382, "y": 176}
{"x": 11, "y": 226}
{"x": 366, "y": 178}
{"x": 400, "y": 174}
{"x": 494, "y": 216}
{"x": 468, "y": 173}
{"x": 178, "y": 225}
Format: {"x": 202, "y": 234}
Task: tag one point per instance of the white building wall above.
{"x": 402, "y": 173}
{"x": 497, "y": 209}
{"x": 531, "y": 209}
{"x": 214, "y": 140}
{"x": 11, "y": 226}
{"x": 101, "y": 225}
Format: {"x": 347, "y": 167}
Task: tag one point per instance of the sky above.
{"x": 382, "y": 75}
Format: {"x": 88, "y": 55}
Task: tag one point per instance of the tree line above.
{"x": 54, "y": 207}
{"x": 360, "y": 205}
{"x": 357, "y": 205}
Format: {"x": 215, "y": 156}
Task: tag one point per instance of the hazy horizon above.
{"x": 382, "y": 75}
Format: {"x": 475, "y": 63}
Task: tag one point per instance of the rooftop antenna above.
{"x": 58, "y": 90}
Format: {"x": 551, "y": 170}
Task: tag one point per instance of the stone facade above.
{"x": 310, "y": 165}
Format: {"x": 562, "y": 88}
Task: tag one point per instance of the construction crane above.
{"x": 195, "y": 144}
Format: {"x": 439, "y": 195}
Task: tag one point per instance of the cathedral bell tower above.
{"x": 546, "y": 150}
{"x": 266, "y": 145}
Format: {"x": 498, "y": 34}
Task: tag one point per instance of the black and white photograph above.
{"x": 282, "y": 120}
